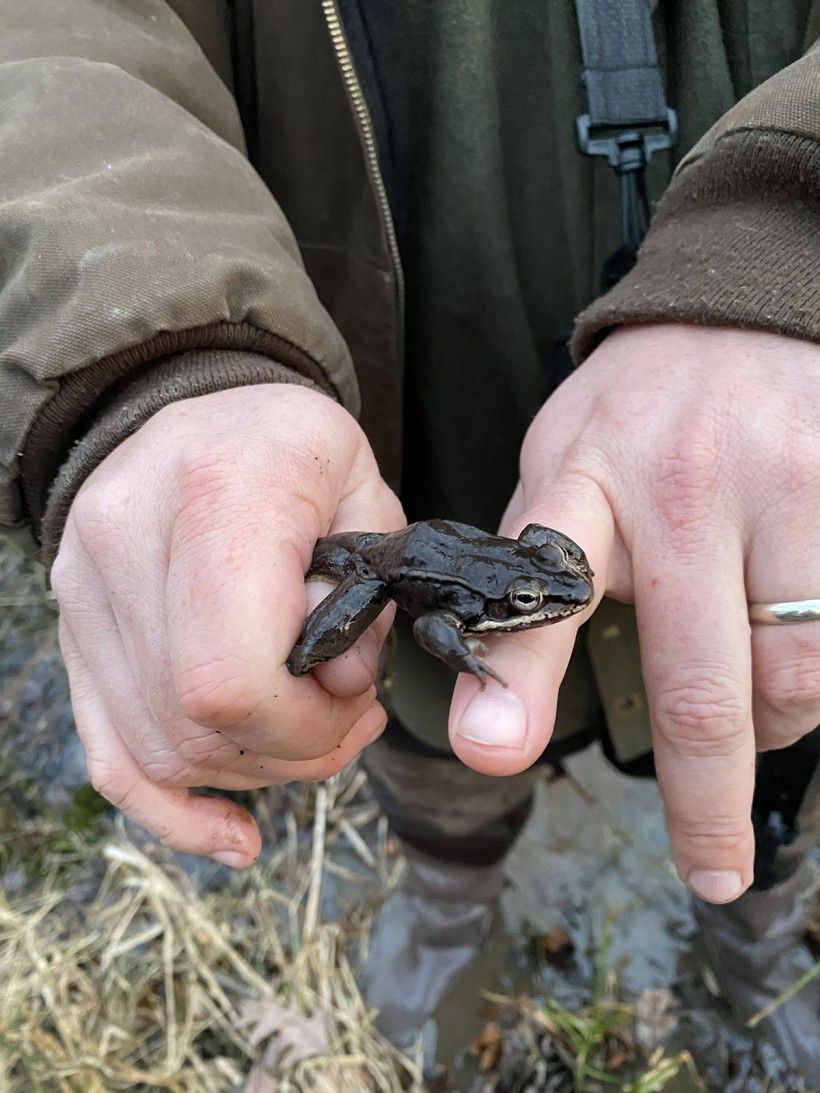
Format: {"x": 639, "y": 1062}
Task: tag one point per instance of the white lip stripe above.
{"x": 522, "y": 622}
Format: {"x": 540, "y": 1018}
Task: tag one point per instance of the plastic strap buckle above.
{"x": 628, "y": 152}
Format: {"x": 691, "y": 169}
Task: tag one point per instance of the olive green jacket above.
{"x": 145, "y": 260}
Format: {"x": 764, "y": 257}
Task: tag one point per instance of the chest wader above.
{"x": 478, "y": 818}
{"x": 623, "y": 87}
{"x": 457, "y": 825}
{"x": 626, "y": 122}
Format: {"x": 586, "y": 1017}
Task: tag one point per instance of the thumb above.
{"x": 503, "y": 730}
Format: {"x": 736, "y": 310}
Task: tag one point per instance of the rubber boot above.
{"x": 757, "y": 948}
{"x": 426, "y": 934}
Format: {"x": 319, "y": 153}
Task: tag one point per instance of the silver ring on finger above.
{"x": 785, "y": 612}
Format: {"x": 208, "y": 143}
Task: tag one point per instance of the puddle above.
{"x": 595, "y": 851}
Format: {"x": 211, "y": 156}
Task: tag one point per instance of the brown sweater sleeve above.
{"x": 736, "y": 238}
{"x": 132, "y": 230}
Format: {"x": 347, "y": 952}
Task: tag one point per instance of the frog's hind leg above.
{"x": 337, "y": 623}
{"x": 335, "y": 555}
{"x": 440, "y": 634}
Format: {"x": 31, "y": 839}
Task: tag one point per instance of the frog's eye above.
{"x": 525, "y": 600}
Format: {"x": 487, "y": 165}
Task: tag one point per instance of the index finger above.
{"x": 503, "y": 730}
{"x": 694, "y": 632}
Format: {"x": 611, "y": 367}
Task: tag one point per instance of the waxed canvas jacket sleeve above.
{"x": 132, "y": 229}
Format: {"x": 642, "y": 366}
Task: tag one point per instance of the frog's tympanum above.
{"x": 457, "y": 583}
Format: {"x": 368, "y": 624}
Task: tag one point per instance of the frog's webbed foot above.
{"x": 555, "y": 545}
{"x": 337, "y": 623}
{"x": 538, "y": 535}
{"x": 335, "y": 556}
{"x": 441, "y": 635}
{"x": 476, "y": 645}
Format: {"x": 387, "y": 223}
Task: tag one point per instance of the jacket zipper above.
{"x": 365, "y": 123}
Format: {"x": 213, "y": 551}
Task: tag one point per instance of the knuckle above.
{"x": 64, "y": 578}
{"x": 211, "y": 753}
{"x": 166, "y": 834}
{"x": 712, "y": 833}
{"x": 799, "y": 464}
{"x": 217, "y": 693}
{"x": 162, "y": 765}
{"x": 99, "y": 514}
{"x": 90, "y": 510}
{"x": 93, "y": 510}
{"x": 211, "y": 510}
{"x": 791, "y": 686}
{"x": 162, "y": 775}
{"x": 773, "y": 738}
{"x": 112, "y": 784}
{"x": 204, "y": 480}
{"x": 695, "y": 721}
{"x": 684, "y": 480}
{"x": 203, "y": 474}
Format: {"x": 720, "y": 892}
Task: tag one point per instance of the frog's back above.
{"x": 431, "y": 549}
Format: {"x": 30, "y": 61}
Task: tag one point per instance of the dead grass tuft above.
{"x": 141, "y": 983}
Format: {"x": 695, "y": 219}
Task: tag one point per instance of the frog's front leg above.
{"x": 337, "y": 622}
{"x": 441, "y": 634}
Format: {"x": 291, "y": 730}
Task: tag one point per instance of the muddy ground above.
{"x": 593, "y": 861}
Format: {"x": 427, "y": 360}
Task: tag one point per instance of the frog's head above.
{"x": 553, "y": 580}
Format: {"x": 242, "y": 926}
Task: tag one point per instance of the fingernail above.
{"x": 495, "y": 717}
{"x": 716, "y": 885}
{"x": 233, "y": 858}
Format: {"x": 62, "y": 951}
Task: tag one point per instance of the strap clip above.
{"x": 629, "y": 149}
{"x": 628, "y": 152}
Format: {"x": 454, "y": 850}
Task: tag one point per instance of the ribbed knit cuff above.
{"x": 735, "y": 242}
{"x": 130, "y": 405}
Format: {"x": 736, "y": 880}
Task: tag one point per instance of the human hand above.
{"x": 686, "y": 463}
{"x": 180, "y": 580}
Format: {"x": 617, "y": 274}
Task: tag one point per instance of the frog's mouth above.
{"x": 551, "y": 611}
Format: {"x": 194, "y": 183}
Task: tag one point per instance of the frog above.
{"x": 457, "y": 582}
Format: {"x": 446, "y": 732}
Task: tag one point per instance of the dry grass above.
{"x": 141, "y": 983}
{"x": 118, "y": 972}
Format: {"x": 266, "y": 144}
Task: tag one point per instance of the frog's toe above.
{"x": 480, "y": 669}
{"x": 297, "y": 662}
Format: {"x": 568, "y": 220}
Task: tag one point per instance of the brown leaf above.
{"x": 488, "y": 1046}
{"x": 619, "y": 1047}
{"x": 557, "y": 940}
{"x": 653, "y": 1022}
{"x": 259, "y": 1081}
{"x": 294, "y": 1035}
{"x": 555, "y": 946}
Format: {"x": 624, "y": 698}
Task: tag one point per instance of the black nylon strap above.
{"x": 623, "y": 83}
{"x": 628, "y": 119}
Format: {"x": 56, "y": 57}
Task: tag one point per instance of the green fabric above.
{"x": 417, "y": 689}
{"x": 508, "y": 224}
{"x": 507, "y": 229}
{"x": 614, "y": 653}
{"x": 503, "y": 246}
